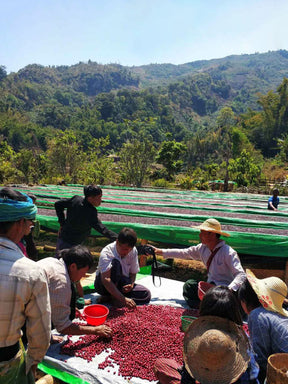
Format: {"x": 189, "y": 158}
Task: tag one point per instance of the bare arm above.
{"x": 272, "y": 206}
{"x": 191, "y": 253}
{"x": 128, "y": 287}
{"x": 80, "y": 329}
{"x": 114, "y": 291}
{"x": 132, "y": 278}
{"x": 157, "y": 251}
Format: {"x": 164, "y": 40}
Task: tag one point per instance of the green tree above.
{"x": 170, "y": 155}
{"x": 244, "y": 169}
{"x": 225, "y": 120}
{"x": 283, "y": 107}
{"x": 135, "y": 159}
{"x": 273, "y": 120}
{"x": 3, "y": 73}
{"x": 97, "y": 168}
{"x": 32, "y": 163}
{"x": 283, "y": 146}
{"x": 64, "y": 157}
{"x": 8, "y": 169}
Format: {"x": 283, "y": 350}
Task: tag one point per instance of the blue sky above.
{"x": 134, "y": 32}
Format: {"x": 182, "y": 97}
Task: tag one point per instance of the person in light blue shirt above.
{"x": 273, "y": 201}
{"x": 262, "y": 300}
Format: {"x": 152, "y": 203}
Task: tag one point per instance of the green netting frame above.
{"x": 76, "y": 189}
{"x": 243, "y": 243}
{"x": 198, "y": 218}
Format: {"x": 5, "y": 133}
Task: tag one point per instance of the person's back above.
{"x": 216, "y": 349}
{"x": 77, "y": 226}
{"x": 269, "y": 334}
{"x": 262, "y": 300}
{"x": 62, "y": 272}
{"x": 81, "y": 216}
{"x": 23, "y": 293}
{"x": 59, "y": 291}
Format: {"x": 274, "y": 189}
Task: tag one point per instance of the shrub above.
{"x": 161, "y": 183}
{"x": 186, "y": 183}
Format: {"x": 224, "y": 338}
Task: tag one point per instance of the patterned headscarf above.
{"x": 14, "y": 210}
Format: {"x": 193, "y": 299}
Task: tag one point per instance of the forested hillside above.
{"x": 200, "y": 120}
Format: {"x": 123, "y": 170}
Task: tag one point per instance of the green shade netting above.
{"x": 61, "y": 375}
{"x": 243, "y": 243}
{"x": 198, "y": 218}
{"x": 57, "y": 192}
{"x": 196, "y": 200}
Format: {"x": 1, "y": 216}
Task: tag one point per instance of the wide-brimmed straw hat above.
{"x": 211, "y": 225}
{"x": 215, "y": 350}
{"x": 271, "y": 292}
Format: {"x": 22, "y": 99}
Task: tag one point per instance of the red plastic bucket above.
{"x": 203, "y": 287}
{"x": 96, "y": 314}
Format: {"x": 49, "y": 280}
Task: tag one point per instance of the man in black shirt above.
{"x": 81, "y": 216}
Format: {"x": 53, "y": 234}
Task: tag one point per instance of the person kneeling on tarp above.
{"x": 116, "y": 273}
{"x": 72, "y": 264}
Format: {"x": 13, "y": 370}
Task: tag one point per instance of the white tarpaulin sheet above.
{"x": 168, "y": 293}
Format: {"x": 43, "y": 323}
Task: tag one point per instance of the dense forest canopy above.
{"x": 223, "y": 118}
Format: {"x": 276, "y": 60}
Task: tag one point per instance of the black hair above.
{"x": 127, "y": 236}
{"x": 32, "y": 197}
{"x": 247, "y": 294}
{"x": 221, "y": 301}
{"x": 92, "y": 190}
{"x": 12, "y": 194}
{"x": 78, "y": 254}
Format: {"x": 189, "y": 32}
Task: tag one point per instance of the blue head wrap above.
{"x": 14, "y": 210}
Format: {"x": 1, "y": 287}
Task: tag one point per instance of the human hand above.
{"x": 87, "y": 301}
{"x": 157, "y": 251}
{"x": 145, "y": 249}
{"x": 127, "y": 288}
{"x": 130, "y": 303}
{"x": 103, "y": 331}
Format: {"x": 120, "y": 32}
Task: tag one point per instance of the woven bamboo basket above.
{"x": 277, "y": 369}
